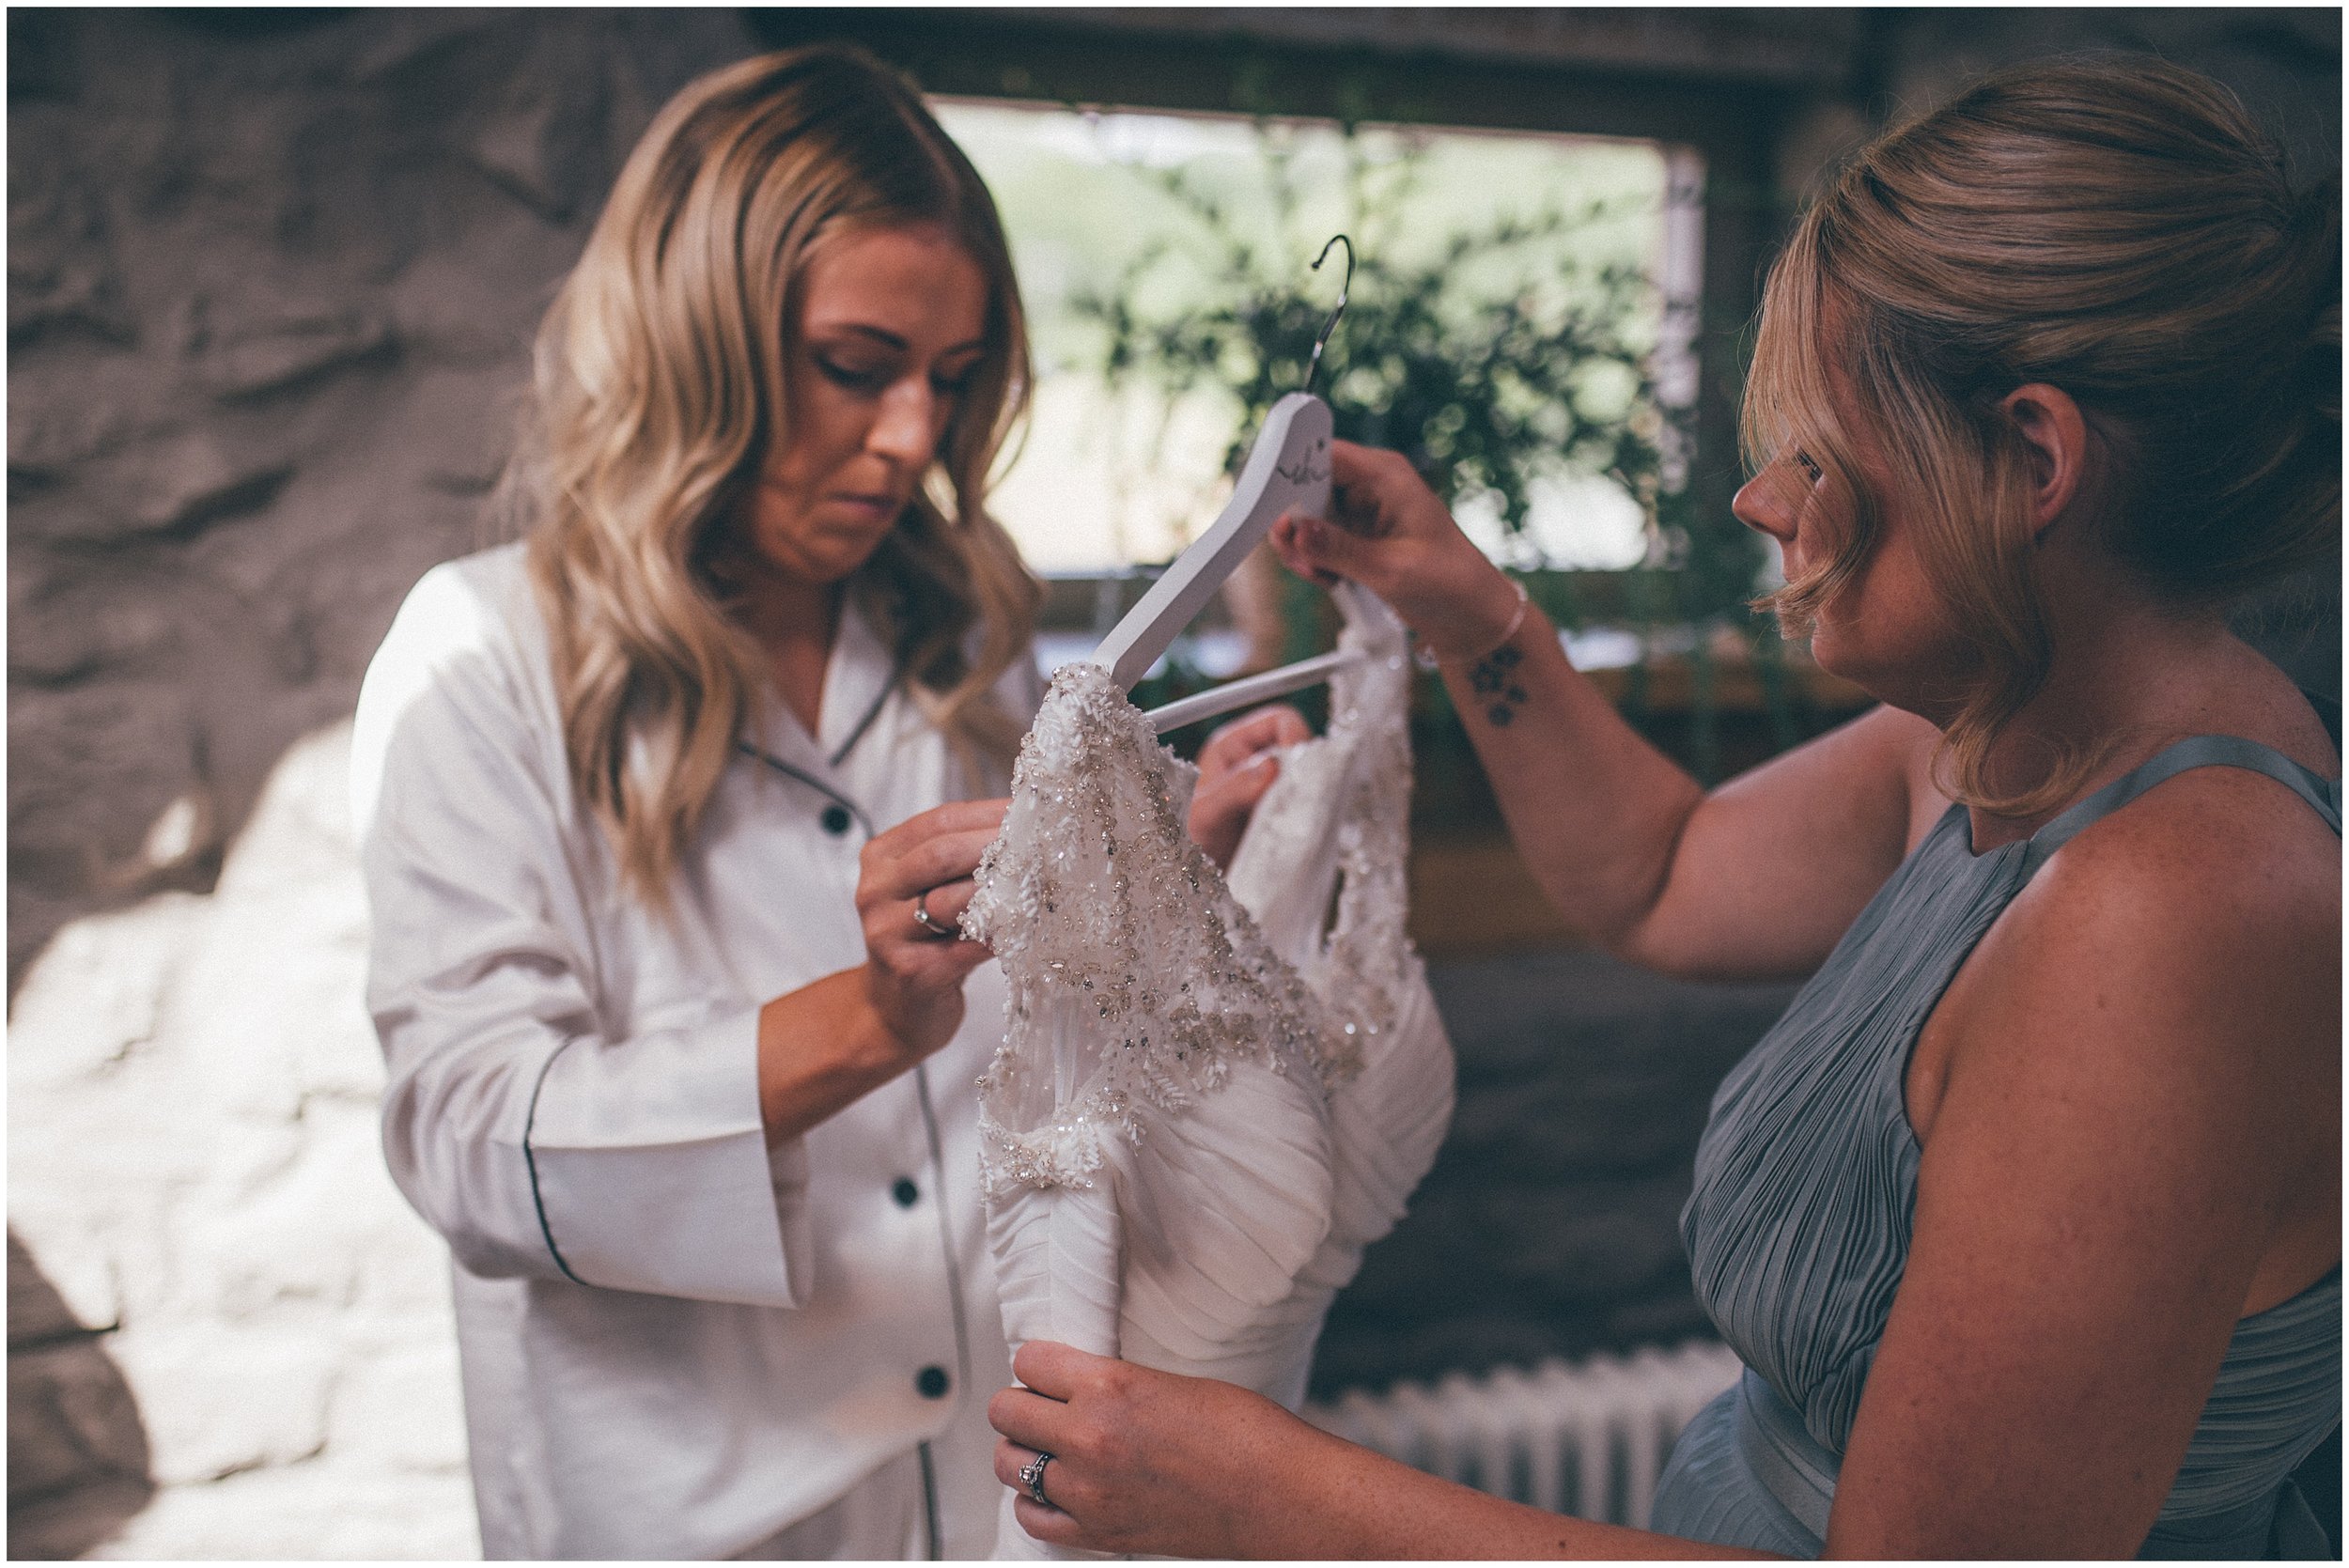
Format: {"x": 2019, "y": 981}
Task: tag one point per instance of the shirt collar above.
{"x": 858, "y": 677}
{"x": 856, "y": 683}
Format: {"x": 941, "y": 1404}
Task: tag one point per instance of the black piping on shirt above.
{"x": 855, "y": 735}
{"x": 810, "y": 780}
{"x": 866, "y": 723}
{"x": 530, "y": 1160}
{"x": 929, "y": 1500}
{"x": 954, "y": 1282}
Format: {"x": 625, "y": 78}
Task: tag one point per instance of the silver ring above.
{"x": 1032, "y": 1476}
{"x": 927, "y": 922}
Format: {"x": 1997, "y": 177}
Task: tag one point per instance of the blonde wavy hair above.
{"x": 659, "y": 388}
{"x": 2118, "y": 229}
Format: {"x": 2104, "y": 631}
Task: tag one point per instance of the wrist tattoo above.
{"x": 1493, "y": 679}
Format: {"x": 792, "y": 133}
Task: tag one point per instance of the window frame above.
{"x": 1727, "y": 116}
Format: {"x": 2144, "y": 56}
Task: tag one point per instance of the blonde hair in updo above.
{"x": 660, "y": 389}
{"x": 2116, "y": 228}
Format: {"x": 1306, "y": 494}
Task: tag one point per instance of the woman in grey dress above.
{"x": 2026, "y": 1219}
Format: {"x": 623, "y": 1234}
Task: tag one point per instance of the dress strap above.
{"x": 2199, "y": 751}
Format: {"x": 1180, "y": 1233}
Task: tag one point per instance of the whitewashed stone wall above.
{"x": 193, "y": 1158}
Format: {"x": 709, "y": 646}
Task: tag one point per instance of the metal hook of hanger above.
{"x": 1344, "y": 289}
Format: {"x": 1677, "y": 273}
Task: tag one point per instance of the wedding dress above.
{"x": 1213, "y": 1092}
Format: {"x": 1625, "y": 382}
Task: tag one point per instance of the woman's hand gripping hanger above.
{"x": 1287, "y": 469}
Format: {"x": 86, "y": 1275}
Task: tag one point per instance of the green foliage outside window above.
{"x": 1485, "y": 389}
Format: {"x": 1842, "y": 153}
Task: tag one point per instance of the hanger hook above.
{"x": 1344, "y": 289}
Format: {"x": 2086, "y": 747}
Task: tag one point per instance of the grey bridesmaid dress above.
{"x": 1798, "y": 1227}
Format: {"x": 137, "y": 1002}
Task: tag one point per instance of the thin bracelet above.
{"x": 1425, "y": 657}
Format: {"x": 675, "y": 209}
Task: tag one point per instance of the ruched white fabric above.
{"x": 1213, "y": 1092}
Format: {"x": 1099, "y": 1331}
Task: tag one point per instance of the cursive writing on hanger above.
{"x": 1287, "y": 469}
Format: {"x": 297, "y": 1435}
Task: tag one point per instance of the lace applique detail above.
{"x": 1137, "y": 977}
{"x": 1136, "y": 980}
{"x": 1362, "y": 969}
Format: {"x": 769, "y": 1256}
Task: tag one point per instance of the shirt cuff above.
{"x": 650, "y": 1167}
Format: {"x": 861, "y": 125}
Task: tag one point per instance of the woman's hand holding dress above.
{"x": 827, "y": 1044}
{"x": 913, "y": 975}
{"x": 1145, "y": 1462}
{"x": 824, "y": 1044}
{"x": 1125, "y": 1476}
{"x": 1235, "y": 768}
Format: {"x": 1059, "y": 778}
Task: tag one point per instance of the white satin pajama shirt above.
{"x": 674, "y": 1344}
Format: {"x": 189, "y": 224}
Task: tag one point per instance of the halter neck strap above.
{"x": 2199, "y": 751}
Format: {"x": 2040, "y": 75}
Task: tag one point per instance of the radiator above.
{"x": 1583, "y": 1437}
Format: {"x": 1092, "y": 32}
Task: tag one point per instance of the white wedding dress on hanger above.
{"x": 1214, "y": 1091}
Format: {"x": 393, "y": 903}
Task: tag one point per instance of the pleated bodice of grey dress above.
{"x": 1798, "y": 1227}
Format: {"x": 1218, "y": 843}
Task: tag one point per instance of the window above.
{"x": 1114, "y": 475}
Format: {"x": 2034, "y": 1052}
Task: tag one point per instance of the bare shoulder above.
{"x": 2211, "y": 887}
{"x": 2130, "y": 1120}
{"x": 2212, "y": 865}
{"x": 2175, "y": 969}
{"x": 2216, "y": 855}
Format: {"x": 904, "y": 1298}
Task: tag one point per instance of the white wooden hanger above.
{"x": 1287, "y": 469}
{"x": 1248, "y": 689}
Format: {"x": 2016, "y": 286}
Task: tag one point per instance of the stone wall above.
{"x": 271, "y": 279}
{"x": 243, "y": 1345}
{"x": 78, "y": 1455}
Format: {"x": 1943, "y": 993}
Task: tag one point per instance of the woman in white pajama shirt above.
{"x": 667, "y": 813}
